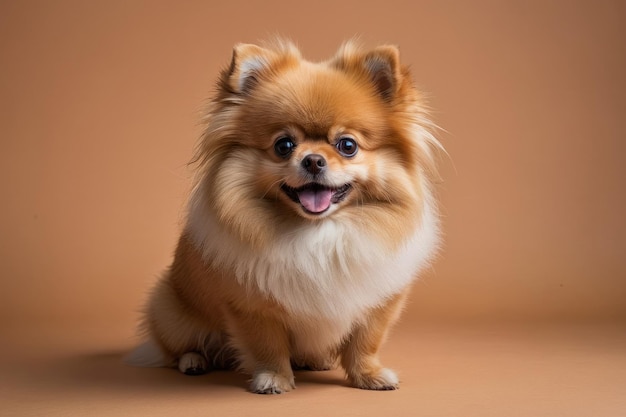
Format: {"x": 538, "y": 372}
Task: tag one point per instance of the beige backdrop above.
{"x": 99, "y": 111}
{"x": 524, "y": 313}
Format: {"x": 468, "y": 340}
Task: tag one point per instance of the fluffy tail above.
{"x": 148, "y": 355}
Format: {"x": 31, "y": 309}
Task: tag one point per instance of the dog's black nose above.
{"x": 314, "y": 163}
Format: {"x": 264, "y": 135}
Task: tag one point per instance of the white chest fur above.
{"x": 326, "y": 270}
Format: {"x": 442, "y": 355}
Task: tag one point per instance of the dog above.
{"x": 313, "y": 211}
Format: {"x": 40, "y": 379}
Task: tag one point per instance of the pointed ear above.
{"x": 248, "y": 64}
{"x": 383, "y": 66}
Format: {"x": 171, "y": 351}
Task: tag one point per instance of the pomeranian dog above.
{"x": 311, "y": 214}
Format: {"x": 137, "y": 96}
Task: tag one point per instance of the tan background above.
{"x": 99, "y": 111}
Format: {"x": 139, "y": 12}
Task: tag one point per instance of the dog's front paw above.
{"x": 267, "y": 382}
{"x": 382, "y": 380}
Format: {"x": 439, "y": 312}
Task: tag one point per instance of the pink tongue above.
{"x": 315, "y": 201}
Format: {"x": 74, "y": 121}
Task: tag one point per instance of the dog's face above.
{"x": 316, "y": 130}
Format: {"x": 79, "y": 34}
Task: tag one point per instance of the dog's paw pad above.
{"x": 192, "y": 363}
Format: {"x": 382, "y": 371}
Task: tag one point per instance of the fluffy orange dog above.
{"x": 311, "y": 215}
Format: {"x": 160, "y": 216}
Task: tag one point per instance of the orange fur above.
{"x": 282, "y": 264}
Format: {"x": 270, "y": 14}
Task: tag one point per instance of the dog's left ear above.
{"x": 380, "y": 66}
{"x": 383, "y": 66}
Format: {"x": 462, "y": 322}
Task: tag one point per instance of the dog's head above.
{"x": 289, "y": 139}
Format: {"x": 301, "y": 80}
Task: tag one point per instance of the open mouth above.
{"x": 316, "y": 198}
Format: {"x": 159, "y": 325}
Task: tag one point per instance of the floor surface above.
{"x": 446, "y": 370}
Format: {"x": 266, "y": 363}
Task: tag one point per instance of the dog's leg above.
{"x": 359, "y": 355}
{"x": 263, "y": 346}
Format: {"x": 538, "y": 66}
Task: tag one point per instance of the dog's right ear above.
{"x": 247, "y": 66}
{"x": 252, "y": 64}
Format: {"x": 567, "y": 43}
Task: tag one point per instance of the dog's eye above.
{"x": 347, "y": 146}
{"x": 284, "y": 146}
